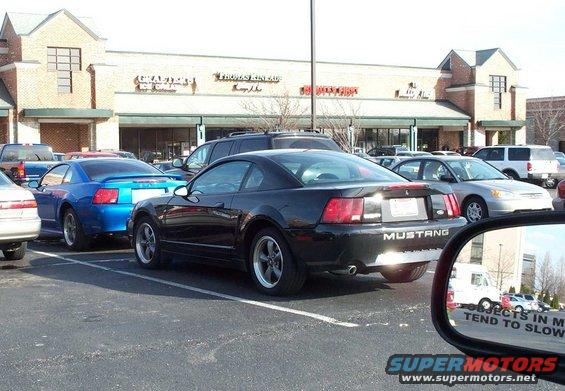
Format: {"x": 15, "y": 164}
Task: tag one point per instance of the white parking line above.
{"x": 322, "y": 318}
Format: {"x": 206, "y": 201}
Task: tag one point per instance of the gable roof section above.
{"x": 26, "y": 24}
{"x": 476, "y": 58}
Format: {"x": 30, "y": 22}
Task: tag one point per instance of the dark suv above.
{"x": 387, "y": 150}
{"x": 247, "y": 142}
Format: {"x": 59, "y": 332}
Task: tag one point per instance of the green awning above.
{"x": 158, "y": 120}
{"x": 68, "y": 113}
{"x": 501, "y": 124}
{"x": 442, "y": 122}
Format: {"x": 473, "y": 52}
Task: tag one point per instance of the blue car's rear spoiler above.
{"x": 132, "y": 176}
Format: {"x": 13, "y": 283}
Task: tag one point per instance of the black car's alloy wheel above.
{"x": 272, "y": 266}
{"x": 147, "y": 245}
{"x": 73, "y": 234}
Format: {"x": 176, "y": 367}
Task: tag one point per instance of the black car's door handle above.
{"x": 218, "y": 205}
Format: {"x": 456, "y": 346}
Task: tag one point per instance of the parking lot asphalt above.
{"x": 95, "y": 320}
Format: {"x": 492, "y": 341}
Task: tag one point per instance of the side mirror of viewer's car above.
{"x": 474, "y": 306}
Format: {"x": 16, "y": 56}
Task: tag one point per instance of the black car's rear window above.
{"x": 305, "y": 143}
{"x": 28, "y": 153}
{"x": 312, "y": 168}
{"x": 98, "y": 170}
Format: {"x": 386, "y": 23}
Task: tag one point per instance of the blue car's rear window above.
{"x": 98, "y": 169}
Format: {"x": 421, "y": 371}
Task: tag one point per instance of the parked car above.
{"x": 281, "y": 213}
{"x": 561, "y": 170}
{"x": 164, "y": 166}
{"x": 559, "y": 154}
{"x": 467, "y": 151}
{"x": 520, "y": 305}
{"x": 19, "y": 222}
{"x": 533, "y": 163}
{"x": 247, "y": 142}
{"x": 559, "y": 200}
{"x": 88, "y": 155}
{"x": 389, "y": 161}
{"x": 25, "y": 162}
{"x": 122, "y": 154}
{"x": 472, "y": 285}
{"x": 82, "y": 198}
{"x": 387, "y": 150}
{"x": 413, "y": 153}
{"x": 366, "y": 156}
{"x": 59, "y": 157}
{"x": 530, "y": 299}
{"x": 481, "y": 189}
{"x": 446, "y": 153}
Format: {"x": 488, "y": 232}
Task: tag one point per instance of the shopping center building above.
{"x": 59, "y": 85}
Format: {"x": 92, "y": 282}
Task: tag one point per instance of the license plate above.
{"x": 403, "y": 207}
{"x": 544, "y": 176}
{"x": 143, "y": 194}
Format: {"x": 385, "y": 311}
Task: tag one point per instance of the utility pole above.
{"x": 313, "y": 62}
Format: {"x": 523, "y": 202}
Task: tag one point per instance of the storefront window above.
{"x": 381, "y": 137}
{"x": 158, "y": 143}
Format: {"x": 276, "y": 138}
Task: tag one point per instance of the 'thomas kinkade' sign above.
{"x": 161, "y": 83}
{"x": 413, "y": 92}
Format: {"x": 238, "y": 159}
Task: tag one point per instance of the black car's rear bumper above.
{"x": 371, "y": 247}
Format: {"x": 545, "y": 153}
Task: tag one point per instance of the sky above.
{"x": 399, "y": 32}
{"x": 543, "y": 239}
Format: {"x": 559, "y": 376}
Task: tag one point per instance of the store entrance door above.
{"x": 428, "y": 139}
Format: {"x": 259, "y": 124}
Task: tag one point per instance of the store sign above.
{"x": 253, "y": 77}
{"x": 162, "y": 83}
{"x": 330, "y": 90}
{"x": 247, "y": 87}
{"x": 413, "y": 92}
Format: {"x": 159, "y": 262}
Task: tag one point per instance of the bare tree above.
{"x": 560, "y": 277}
{"x": 548, "y": 119}
{"x": 336, "y": 122}
{"x": 279, "y": 112}
{"x": 545, "y": 275}
{"x": 502, "y": 269}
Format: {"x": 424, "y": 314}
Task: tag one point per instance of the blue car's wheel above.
{"x": 73, "y": 234}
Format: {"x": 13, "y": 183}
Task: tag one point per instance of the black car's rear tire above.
{"x": 73, "y": 234}
{"x": 405, "y": 273}
{"x": 147, "y": 245}
{"x": 17, "y": 253}
{"x": 270, "y": 251}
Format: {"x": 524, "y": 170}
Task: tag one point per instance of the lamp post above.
{"x": 313, "y": 62}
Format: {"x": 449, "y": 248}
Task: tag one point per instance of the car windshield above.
{"x": 29, "y": 153}
{"x": 98, "y": 170}
{"x": 317, "y": 167}
{"x": 474, "y": 170}
{"x": 561, "y": 160}
{"x": 541, "y": 154}
{"x": 4, "y": 180}
{"x": 305, "y": 143}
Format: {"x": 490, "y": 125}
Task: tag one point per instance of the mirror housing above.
{"x": 447, "y": 178}
{"x": 442, "y": 297}
{"x": 33, "y": 184}
{"x": 177, "y": 163}
{"x": 181, "y": 191}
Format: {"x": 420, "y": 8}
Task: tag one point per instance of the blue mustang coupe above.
{"x": 79, "y": 199}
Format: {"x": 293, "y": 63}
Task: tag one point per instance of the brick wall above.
{"x": 65, "y": 137}
{"x": 461, "y": 71}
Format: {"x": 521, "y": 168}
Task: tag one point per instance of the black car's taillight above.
{"x": 452, "y": 205}
{"x": 343, "y": 211}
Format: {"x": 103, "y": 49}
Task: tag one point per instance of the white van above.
{"x": 534, "y": 163}
{"x": 472, "y": 284}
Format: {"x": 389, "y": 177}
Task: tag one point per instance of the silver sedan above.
{"x": 482, "y": 190}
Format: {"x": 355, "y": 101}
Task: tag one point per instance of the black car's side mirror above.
{"x": 33, "y": 184}
{"x": 472, "y": 303}
{"x": 181, "y": 191}
{"x": 177, "y": 163}
{"x": 447, "y": 178}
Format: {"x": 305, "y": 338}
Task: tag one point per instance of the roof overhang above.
{"x": 501, "y": 124}
{"x": 68, "y": 113}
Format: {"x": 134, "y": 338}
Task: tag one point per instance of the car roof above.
{"x": 271, "y": 152}
{"x": 441, "y": 158}
{"x": 516, "y": 146}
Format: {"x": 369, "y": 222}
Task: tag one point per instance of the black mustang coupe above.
{"x": 280, "y": 214}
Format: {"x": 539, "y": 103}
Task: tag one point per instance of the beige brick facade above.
{"x": 454, "y": 100}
